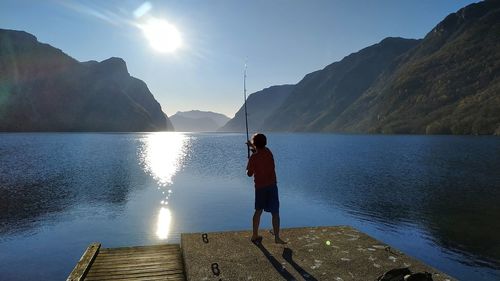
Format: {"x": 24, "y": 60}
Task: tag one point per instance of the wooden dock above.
{"x": 160, "y": 262}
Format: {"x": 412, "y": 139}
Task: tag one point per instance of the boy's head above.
{"x": 259, "y": 140}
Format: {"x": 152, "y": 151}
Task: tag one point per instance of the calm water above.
{"x": 436, "y": 198}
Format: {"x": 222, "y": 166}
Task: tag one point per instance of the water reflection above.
{"x": 162, "y": 157}
{"x": 163, "y": 223}
{"x": 42, "y": 175}
{"x": 447, "y": 188}
{"x": 163, "y": 154}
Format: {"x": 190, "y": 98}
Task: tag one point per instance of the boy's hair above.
{"x": 259, "y": 140}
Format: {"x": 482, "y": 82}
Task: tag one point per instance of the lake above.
{"x": 436, "y": 198}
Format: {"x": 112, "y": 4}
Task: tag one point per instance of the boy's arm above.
{"x": 250, "y": 168}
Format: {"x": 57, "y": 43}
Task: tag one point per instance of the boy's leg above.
{"x": 276, "y": 228}
{"x": 256, "y": 222}
{"x": 274, "y": 208}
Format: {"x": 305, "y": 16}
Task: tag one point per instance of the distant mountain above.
{"x": 43, "y": 89}
{"x": 260, "y": 105}
{"x": 198, "y": 121}
{"x": 447, "y": 83}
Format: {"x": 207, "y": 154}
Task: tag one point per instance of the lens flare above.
{"x": 143, "y": 9}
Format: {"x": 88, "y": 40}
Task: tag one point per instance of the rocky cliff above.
{"x": 43, "y": 89}
{"x": 448, "y": 84}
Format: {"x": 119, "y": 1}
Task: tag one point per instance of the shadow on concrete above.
{"x": 287, "y": 255}
{"x": 274, "y": 262}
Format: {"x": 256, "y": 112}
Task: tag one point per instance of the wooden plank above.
{"x": 83, "y": 265}
{"x": 136, "y": 259}
{"x": 125, "y": 265}
{"x": 152, "y": 254}
{"x": 141, "y": 248}
{"x": 96, "y": 270}
{"x": 166, "y": 277}
{"x": 132, "y": 272}
{"x": 153, "y": 278}
{"x": 140, "y": 252}
{"x": 133, "y": 260}
{"x": 145, "y": 276}
{"x": 160, "y": 250}
{"x": 148, "y": 255}
{"x": 128, "y": 265}
{"x": 167, "y": 263}
{"x": 150, "y": 278}
{"x": 157, "y": 250}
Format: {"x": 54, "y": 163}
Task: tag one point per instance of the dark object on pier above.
{"x": 405, "y": 274}
{"x": 419, "y": 276}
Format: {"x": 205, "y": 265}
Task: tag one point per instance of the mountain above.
{"x": 446, "y": 83}
{"x": 43, "y": 89}
{"x": 320, "y": 97}
{"x": 260, "y": 105}
{"x": 198, "y": 121}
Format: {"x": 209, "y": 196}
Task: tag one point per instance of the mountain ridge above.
{"x": 446, "y": 83}
{"x": 322, "y": 95}
{"x": 449, "y": 81}
{"x": 44, "y": 89}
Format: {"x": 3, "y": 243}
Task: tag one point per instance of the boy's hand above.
{"x": 252, "y": 147}
{"x": 250, "y": 144}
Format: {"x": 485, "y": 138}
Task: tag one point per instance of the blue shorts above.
{"x": 267, "y": 198}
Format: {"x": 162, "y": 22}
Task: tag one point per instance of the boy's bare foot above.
{"x": 278, "y": 240}
{"x": 256, "y": 239}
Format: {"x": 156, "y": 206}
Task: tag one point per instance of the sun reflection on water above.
{"x": 163, "y": 223}
{"x": 162, "y": 158}
{"x": 163, "y": 155}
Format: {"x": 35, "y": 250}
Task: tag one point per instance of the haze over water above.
{"x": 433, "y": 197}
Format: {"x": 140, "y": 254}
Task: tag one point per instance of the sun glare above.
{"x": 163, "y": 36}
{"x": 163, "y": 154}
{"x": 163, "y": 223}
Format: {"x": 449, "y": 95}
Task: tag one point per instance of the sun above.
{"x": 163, "y": 36}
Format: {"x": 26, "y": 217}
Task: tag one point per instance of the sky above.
{"x": 279, "y": 40}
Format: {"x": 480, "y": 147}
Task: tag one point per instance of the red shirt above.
{"x": 261, "y": 166}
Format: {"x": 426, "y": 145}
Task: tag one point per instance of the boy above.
{"x": 261, "y": 167}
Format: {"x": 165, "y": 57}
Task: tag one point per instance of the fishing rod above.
{"x": 245, "y": 105}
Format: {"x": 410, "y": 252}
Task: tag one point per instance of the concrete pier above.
{"x": 312, "y": 253}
